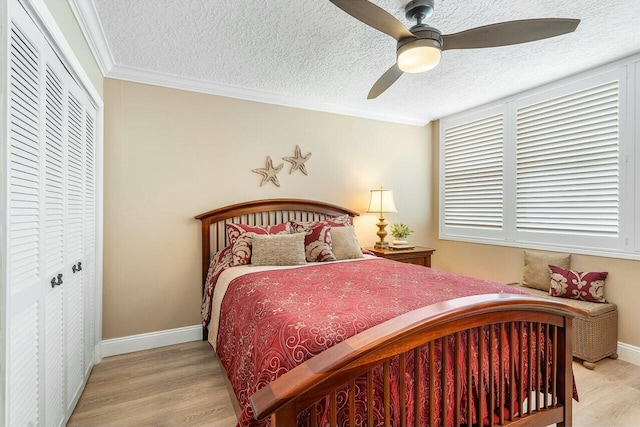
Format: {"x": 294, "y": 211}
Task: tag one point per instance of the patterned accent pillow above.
{"x": 278, "y": 249}
{"x": 577, "y": 285}
{"x": 239, "y": 236}
{"x": 341, "y": 220}
{"x": 317, "y": 241}
{"x": 318, "y": 236}
{"x": 338, "y": 221}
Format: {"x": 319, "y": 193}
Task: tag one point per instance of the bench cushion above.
{"x": 594, "y": 309}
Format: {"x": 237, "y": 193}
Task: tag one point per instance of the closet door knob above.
{"x": 55, "y": 283}
{"x": 79, "y": 266}
{"x": 76, "y": 268}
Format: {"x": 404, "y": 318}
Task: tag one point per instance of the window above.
{"x": 473, "y": 196}
{"x": 546, "y": 169}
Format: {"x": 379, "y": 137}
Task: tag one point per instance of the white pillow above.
{"x": 278, "y": 249}
{"x": 344, "y": 243}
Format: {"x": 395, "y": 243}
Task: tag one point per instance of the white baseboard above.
{"x": 150, "y": 340}
{"x": 629, "y": 353}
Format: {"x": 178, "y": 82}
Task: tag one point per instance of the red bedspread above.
{"x": 273, "y": 321}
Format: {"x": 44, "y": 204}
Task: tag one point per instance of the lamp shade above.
{"x": 382, "y": 201}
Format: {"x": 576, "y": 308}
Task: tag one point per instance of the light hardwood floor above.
{"x": 182, "y": 385}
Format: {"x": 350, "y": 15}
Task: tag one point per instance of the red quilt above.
{"x": 273, "y": 321}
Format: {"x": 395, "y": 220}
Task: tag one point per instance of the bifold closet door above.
{"x": 74, "y": 240}
{"x": 54, "y": 217}
{"x": 51, "y": 238}
{"x": 24, "y": 243}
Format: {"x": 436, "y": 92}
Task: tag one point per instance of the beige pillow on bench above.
{"x": 536, "y": 272}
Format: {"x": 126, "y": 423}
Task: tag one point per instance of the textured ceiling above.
{"x": 311, "y": 51}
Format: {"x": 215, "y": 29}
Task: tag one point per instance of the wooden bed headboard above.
{"x": 259, "y": 212}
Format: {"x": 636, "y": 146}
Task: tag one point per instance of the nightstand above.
{"x": 419, "y": 255}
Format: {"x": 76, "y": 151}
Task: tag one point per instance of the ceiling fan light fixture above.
{"x": 418, "y": 56}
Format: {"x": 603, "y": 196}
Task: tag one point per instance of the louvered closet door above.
{"x": 54, "y": 207}
{"x": 51, "y": 238}
{"x": 24, "y": 227}
{"x": 74, "y": 252}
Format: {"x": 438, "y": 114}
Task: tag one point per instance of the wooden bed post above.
{"x": 286, "y": 416}
{"x": 565, "y": 382}
{"x": 206, "y": 258}
{"x": 206, "y": 250}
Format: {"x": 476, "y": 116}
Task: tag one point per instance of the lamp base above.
{"x": 381, "y": 245}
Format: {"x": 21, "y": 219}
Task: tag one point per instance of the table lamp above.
{"x": 381, "y": 202}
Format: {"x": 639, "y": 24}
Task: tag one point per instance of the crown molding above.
{"x": 87, "y": 17}
{"x": 137, "y": 75}
{"x": 89, "y": 22}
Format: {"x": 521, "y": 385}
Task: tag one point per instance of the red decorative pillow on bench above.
{"x": 572, "y": 284}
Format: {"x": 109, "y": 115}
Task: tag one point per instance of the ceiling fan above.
{"x": 419, "y": 48}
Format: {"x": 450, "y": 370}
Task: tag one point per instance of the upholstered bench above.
{"x": 595, "y": 336}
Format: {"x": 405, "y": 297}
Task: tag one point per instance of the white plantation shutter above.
{"x": 567, "y": 163}
{"x": 473, "y": 174}
{"x": 551, "y": 168}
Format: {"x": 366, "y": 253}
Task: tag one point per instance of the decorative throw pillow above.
{"x": 345, "y": 243}
{"x": 240, "y": 237}
{"x": 318, "y": 236}
{"x": 278, "y": 249}
{"x": 536, "y": 268}
{"x": 577, "y": 285}
{"x": 342, "y": 220}
{"x": 338, "y": 221}
{"x": 235, "y": 230}
{"x": 317, "y": 242}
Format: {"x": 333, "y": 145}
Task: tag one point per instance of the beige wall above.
{"x": 504, "y": 264}
{"x": 170, "y": 155}
{"x": 66, "y": 20}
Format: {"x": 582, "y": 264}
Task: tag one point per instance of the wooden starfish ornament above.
{"x": 297, "y": 161}
{"x": 269, "y": 173}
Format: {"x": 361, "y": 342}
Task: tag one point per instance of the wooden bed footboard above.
{"x": 522, "y": 351}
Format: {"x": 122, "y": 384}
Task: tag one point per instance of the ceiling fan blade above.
{"x": 375, "y": 17}
{"x": 385, "y": 81}
{"x": 508, "y": 33}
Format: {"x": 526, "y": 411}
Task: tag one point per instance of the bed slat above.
{"x": 386, "y": 394}
{"x": 369, "y": 398}
{"x": 492, "y": 403}
{"x": 402, "y": 368}
{"x": 417, "y": 363}
{"x": 456, "y": 375}
{"x": 501, "y": 373}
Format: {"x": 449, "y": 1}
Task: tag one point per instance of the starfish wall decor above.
{"x": 269, "y": 173}
{"x": 297, "y": 161}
